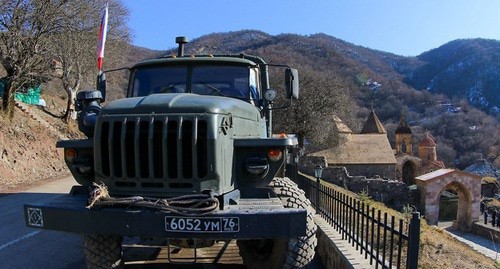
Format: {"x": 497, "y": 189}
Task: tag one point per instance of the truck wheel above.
{"x": 103, "y": 251}
{"x": 293, "y": 252}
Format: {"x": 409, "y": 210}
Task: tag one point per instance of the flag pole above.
{"x": 103, "y": 30}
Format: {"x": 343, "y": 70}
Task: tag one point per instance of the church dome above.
{"x": 427, "y": 142}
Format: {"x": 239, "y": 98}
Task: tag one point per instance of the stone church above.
{"x": 370, "y": 154}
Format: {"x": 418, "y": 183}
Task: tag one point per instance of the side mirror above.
{"x": 101, "y": 84}
{"x": 292, "y": 83}
{"x": 88, "y": 106}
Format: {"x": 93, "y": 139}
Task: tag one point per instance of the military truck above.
{"x": 188, "y": 156}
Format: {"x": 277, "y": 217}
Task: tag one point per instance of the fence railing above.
{"x": 387, "y": 242}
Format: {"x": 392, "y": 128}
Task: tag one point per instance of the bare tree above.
{"x": 74, "y": 47}
{"x": 25, "y": 27}
{"x": 323, "y": 94}
{"x": 42, "y": 39}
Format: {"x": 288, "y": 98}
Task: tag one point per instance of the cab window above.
{"x": 219, "y": 80}
{"x": 159, "y": 80}
{"x": 229, "y": 81}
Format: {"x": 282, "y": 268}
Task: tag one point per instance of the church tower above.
{"x": 373, "y": 125}
{"x": 427, "y": 150}
{"x": 404, "y": 138}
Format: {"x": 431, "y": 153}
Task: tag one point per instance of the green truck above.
{"x": 189, "y": 156}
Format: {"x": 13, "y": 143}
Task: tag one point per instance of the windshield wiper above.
{"x": 214, "y": 89}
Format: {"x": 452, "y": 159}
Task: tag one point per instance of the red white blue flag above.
{"x": 102, "y": 37}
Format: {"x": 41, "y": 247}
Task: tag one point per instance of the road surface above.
{"x": 22, "y": 247}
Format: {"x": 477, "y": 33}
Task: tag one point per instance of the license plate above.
{"x": 204, "y": 225}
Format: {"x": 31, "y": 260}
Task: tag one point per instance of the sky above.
{"x": 403, "y": 27}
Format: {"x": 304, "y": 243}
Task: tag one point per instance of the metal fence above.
{"x": 387, "y": 242}
{"x": 490, "y": 215}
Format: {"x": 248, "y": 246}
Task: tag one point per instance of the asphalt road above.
{"x": 23, "y": 247}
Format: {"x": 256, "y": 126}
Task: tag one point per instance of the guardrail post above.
{"x": 413, "y": 241}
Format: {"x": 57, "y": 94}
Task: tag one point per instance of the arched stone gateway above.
{"x": 409, "y": 172}
{"x": 407, "y": 168}
{"x": 467, "y": 186}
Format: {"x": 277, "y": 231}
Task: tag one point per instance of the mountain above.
{"x": 464, "y": 68}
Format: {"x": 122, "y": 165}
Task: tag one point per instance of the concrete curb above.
{"x": 335, "y": 252}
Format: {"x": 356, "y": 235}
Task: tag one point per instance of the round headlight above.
{"x": 87, "y": 120}
{"x": 257, "y": 166}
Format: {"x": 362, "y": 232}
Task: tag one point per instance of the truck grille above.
{"x": 153, "y": 148}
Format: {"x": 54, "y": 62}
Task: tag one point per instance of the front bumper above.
{"x": 258, "y": 218}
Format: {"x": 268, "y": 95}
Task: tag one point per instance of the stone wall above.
{"x": 336, "y": 253}
{"x": 372, "y": 170}
{"x": 308, "y": 163}
{"x": 331, "y": 256}
{"x": 486, "y": 231}
{"x": 393, "y": 193}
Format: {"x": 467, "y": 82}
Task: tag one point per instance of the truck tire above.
{"x": 103, "y": 251}
{"x": 293, "y": 252}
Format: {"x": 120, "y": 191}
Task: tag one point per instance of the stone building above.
{"x": 428, "y": 155}
{"x": 404, "y": 139}
{"x": 408, "y": 165}
{"x": 434, "y": 181}
{"x": 368, "y": 153}
{"x": 467, "y": 188}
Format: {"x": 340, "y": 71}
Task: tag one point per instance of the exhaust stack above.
{"x": 181, "y": 40}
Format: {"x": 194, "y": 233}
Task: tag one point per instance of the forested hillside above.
{"x": 462, "y": 69}
{"x": 342, "y": 78}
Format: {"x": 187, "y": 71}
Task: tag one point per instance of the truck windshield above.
{"x": 230, "y": 81}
